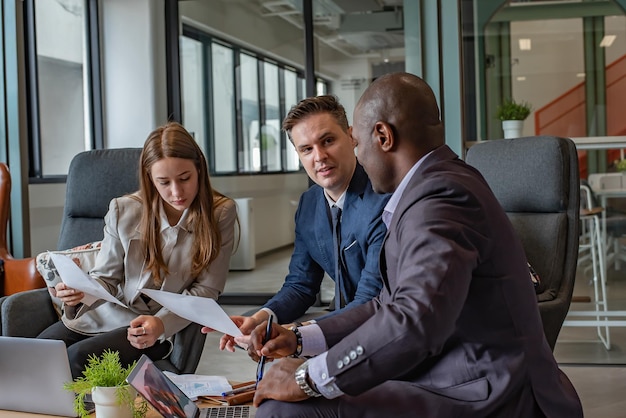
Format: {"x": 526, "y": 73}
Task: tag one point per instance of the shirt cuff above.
{"x": 313, "y": 341}
{"x": 324, "y": 383}
{"x": 271, "y": 312}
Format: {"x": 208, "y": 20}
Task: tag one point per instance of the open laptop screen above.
{"x": 159, "y": 391}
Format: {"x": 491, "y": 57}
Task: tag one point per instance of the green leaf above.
{"x": 104, "y": 371}
{"x": 512, "y": 110}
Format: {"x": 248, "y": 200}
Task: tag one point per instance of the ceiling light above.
{"x": 521, "y": 78}
{"x": 580, "y": 75}
{"x": 524, "y": 44}
{"x": 607, "y": 41}
{"x": 384, "y": 54}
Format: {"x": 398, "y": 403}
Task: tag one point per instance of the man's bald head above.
{"x": 408, "y": 105}
{"x": 396, "y": 123}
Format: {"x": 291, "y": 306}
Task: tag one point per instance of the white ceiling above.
{"x": 353, "y": 27}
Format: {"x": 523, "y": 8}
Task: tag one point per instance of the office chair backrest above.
{"x": 94, "y": 178}
{"x": 536, "y": 181}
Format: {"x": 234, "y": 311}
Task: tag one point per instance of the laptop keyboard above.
{"x": 239, "y": 411}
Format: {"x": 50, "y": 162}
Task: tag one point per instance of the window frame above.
{"x": 207, "y": 40}
{"x": 93, "y": 118}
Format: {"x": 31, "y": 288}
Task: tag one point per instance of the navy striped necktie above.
{"x": 336, "y": 217}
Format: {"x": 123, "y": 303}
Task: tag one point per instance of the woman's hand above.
{"x": 69, "y": 296}
{"x": 245, "y": 325}
{"x": 144, "y": 331}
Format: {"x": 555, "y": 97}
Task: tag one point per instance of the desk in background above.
{"x": 605, "y": 186}
{"x": 600, "y": 142}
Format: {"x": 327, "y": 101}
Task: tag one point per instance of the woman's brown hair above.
{"x": 173, "y": 141}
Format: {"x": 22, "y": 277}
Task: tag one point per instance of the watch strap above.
{"x": 301, "y": 375}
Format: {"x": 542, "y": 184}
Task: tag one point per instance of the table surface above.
{"x": 151, "y": 412}
{"x": 14, "y": 414}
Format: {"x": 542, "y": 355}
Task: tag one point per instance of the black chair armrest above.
{"x": 26, "y": 314}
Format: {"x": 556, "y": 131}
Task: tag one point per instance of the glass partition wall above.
{"x": 243, "y": 65}
{"x": 562, "y": 57}
{"x": 567, "y": 59}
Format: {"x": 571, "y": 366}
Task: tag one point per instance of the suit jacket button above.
{"x": 359, "y": 349}
{"x": 340, "y": 364}
{"x": 353, "y": 354}
{"x": 346, "y": 360}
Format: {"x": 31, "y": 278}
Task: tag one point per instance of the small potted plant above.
{"x": 512, "y": 114}
{"x": 621, "y": 166}
{"x": 105, "y": 378}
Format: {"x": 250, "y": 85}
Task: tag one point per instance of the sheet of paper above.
{"x": 194, "y": 385}
{"x": 74, "y": 277}
{"x": 204, "y": 311}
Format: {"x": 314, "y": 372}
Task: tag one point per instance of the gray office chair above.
{"x": 536, "y": 181}
{"x": 94, "y": 178}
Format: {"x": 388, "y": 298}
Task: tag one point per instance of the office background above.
{"x": 82, "y": 74}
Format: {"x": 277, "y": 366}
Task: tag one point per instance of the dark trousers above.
{"x": 80, "y": 346}
{"x": 395, "y": 399}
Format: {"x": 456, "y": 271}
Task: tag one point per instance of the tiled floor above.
{"x": 599, "y": 375}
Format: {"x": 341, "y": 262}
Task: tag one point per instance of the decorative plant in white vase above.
{"x": 512, "y": 114}
{"x": 105, "y": 378}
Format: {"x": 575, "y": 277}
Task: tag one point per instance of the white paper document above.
{"x": 194, "y": 385}
{"x": 74, "y": 277}
{"x": 203, "y": 311}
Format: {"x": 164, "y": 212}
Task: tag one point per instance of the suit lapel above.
{"x": 134, "y": 267}
{"x": 179, "y": 260}
{"x": 382, "y": 264}
{"x": 390, "y": 246}
{"x": 352, "y": 204}
{"x": 322, "y": 228}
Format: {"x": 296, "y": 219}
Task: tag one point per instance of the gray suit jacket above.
{"x": 457, "y": 320}
{"x": 120, "y": 268}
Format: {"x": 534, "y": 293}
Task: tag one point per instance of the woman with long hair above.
{"x": 175, "y": 234}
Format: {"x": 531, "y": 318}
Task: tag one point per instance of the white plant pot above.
{"x": 512, "y": 128}
{"x": 105, "y": 399}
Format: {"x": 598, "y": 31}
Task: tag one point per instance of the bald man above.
{"x": 455, "y": 330}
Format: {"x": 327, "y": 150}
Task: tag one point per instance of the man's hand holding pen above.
{"x": 279, "y": 382}
{"x": 263, "y": 359}
{"x": 281, "y": 343}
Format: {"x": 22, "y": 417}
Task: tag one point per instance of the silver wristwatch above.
{"x": 301, "y": 375}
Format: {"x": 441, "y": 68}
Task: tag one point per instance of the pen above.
{"x": 268, "y": 331}
{"x": 240, "y": 390}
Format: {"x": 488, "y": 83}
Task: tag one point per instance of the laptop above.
{"x": 170, "y": 401}
{"x": 32, "y": 374}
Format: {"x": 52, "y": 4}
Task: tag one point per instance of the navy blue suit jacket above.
{"x": 362, "y": 234}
